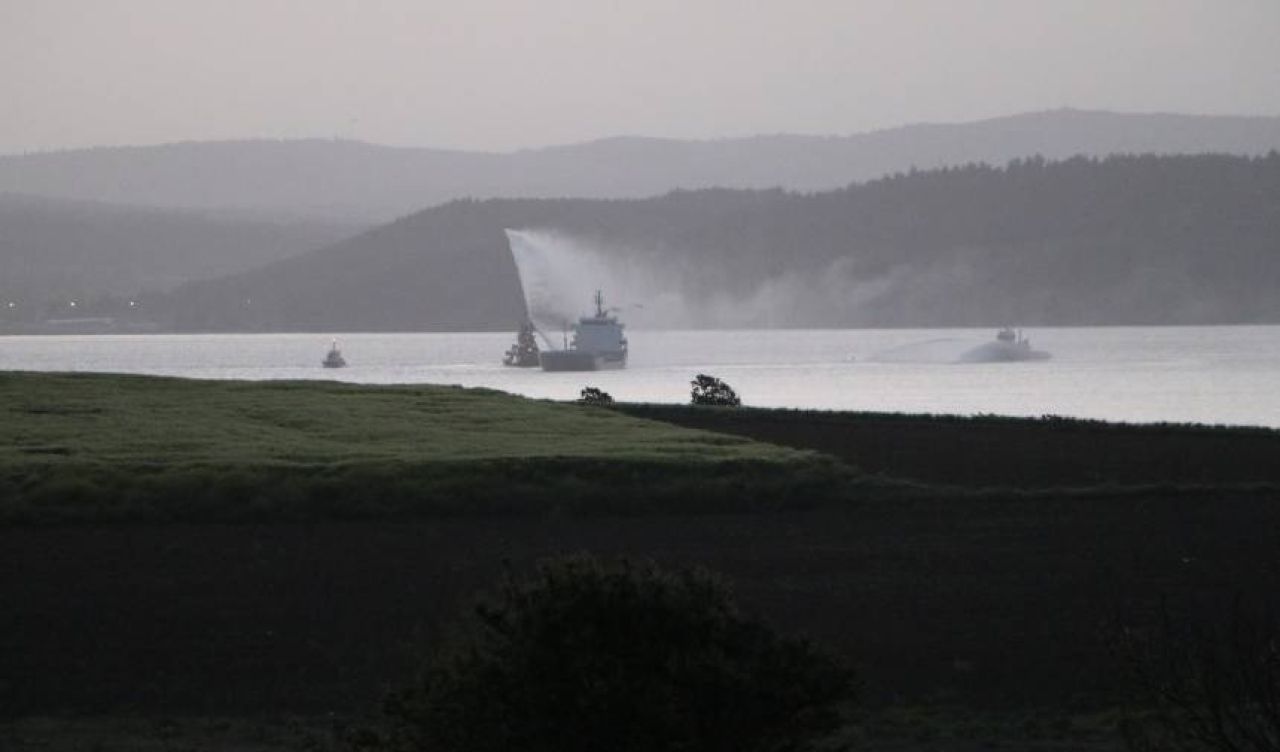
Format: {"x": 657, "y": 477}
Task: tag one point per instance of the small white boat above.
{"x": 524, "y": 353}
{"x": 334, "y": 359}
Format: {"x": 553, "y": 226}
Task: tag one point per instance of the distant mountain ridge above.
{"x": 1122, "y": 240}
{"x": 363, "y": 182}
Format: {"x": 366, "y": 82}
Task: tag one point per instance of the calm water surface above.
{"x": 1139, "y": 374}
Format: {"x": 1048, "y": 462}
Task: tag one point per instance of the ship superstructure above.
{"x": 597, "y": 343}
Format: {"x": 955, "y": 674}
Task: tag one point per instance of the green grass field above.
{"x": 96, "y": 447}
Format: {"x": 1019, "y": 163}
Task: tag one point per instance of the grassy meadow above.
{"x": 96, "y": 447}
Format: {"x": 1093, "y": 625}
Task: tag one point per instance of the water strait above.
{"x": 1215, "y": 375}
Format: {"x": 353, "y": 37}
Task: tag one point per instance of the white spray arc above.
{"x": 560, "y": 277}
{"x": 557, "y": 278}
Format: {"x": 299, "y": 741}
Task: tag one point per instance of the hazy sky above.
{"x": 503, "y": 74}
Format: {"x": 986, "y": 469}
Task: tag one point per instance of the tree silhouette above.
{"x": 590, "y": 395}
{"x": 708, "y": 390}
{"x": 1204, "y": 687}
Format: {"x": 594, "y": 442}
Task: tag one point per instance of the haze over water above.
{"x": 1221, "y": 375}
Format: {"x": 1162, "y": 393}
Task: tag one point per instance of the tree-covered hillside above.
{"x": 1128, "y": 239}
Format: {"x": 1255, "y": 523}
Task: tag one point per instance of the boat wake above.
{"x": 942, "y": 350}
{"x": 1007, "y": 347}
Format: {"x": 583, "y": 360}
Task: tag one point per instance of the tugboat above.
{"x": 597, "y": 344}
{"x": 334, "y": 359}
{"x": 1010, "y": 345}
{"x": 524, "y": 353}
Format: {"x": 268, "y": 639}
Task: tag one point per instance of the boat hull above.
{"x": 579, "y": 360}
{"x": 523, "y": 360}
{"x": 1002, "y": 352}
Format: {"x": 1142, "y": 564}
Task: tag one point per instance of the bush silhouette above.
{"x": 708, "y": 390}
{"x": 1204, "y": 687}
{"x": 592, "y": 396}
{"x": 588, "y": 656}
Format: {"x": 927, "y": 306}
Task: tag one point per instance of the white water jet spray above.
{"x": 939, "y": 350}
{"x": 559, "y": 277}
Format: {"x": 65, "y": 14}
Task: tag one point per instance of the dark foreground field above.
{"x": 997, "y": 606}
{"x": 974, "y": 617}
{"x": 990, "y": 452}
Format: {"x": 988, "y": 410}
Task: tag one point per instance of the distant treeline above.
{"x": 1120, "y": 240}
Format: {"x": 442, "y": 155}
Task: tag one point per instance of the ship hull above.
{"x": 578, "y": 360}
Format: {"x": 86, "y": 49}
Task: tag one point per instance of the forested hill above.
{"x": 1123, "y": 240}
{"x": 347, "y": 179}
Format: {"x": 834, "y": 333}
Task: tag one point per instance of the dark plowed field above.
{"x": 1004, "y": 452}
{"x": 982, "y": 602}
